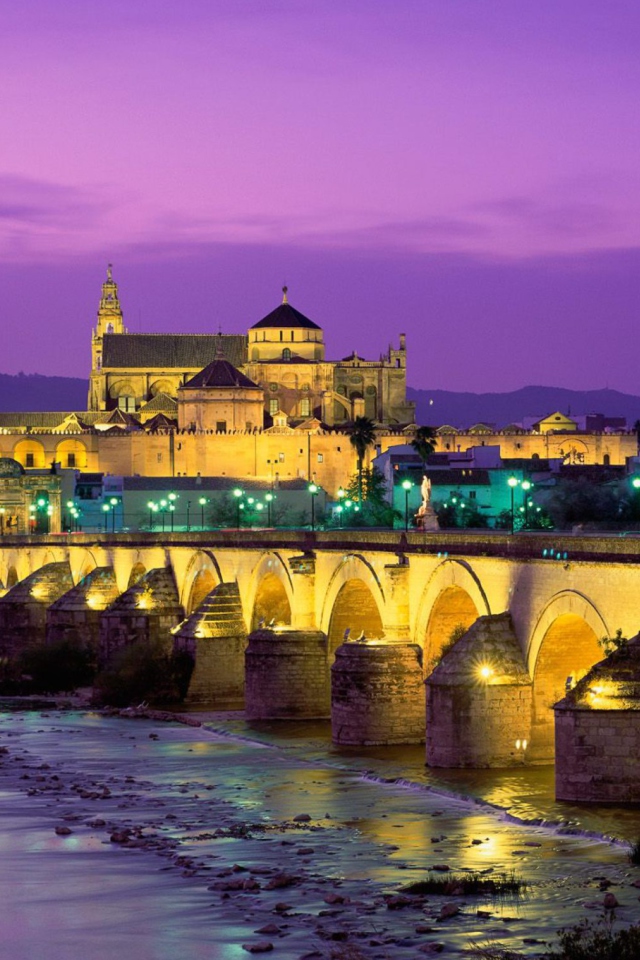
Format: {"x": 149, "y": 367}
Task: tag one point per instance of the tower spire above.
{"x": 285, "y": 291}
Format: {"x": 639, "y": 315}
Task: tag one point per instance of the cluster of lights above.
{"x": 345, "y": 504}
{"x": 162, "y": 506}
{"x": 110, "y": 508}
{"x": 252, "y": 504}
{"x": 42, "y": 506}
{"x": 74, "y": 513}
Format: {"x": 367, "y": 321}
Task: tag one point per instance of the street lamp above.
{"x": 269, "y": 498}
{"x": 339, "y": 511}
{"x": 151, "y": 505}
{"x": 188, "y": 512}
{"x": 513, "y": 483}
{"x": 202, "y": 501}
{"x": 313, "y": 490}
{"x": 113, "y": 503}
{"x": 526, "y": 486}
{"x": 406, "y": 486}
{"x": 239, "y": 506}
{"x": 106, "y": 508}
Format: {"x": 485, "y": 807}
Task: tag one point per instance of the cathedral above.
{"x": 278, "y": 368}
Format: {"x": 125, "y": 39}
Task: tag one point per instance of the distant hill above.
{"x": 436, "y": 407}
{"x": 31, "y": 392}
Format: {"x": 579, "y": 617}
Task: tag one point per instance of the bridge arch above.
{"x": 82, "y": 562}
{"x": 452, "y": 599}
{"x": 564, "y": 643}
{"x": 201, "y": 577}
{"x": 270, "y": 595}
{"x": 354, "y": 599}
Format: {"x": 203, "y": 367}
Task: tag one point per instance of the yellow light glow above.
{"x": 485, "y": 671}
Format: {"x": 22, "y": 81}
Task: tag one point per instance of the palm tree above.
{"x": 362, "y": 435}
{"x": 424, "y": 442}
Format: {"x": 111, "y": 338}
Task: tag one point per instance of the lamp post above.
{"x": 239, "y": 505}
{"x": 163, "y": 507}
{"x": 526, "y": 486}
{"x": 113, "y": 503}
{"x": 406, "y": 486}
{"x": 151, "y": 506}
{"x": 106, "y": 508}
{"x": 513, "y": 483}
{"x": 202, "y": 501}
{"x": 339, "y": 511}
{"x": 313, "y": 490}
{"x": 269, "y": 498}
{"x": 188, "y": 512}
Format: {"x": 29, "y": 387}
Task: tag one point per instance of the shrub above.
{"x": 597, "y": 941}
{"x": 144, "y": 672}
{"x": 62, "y": 666}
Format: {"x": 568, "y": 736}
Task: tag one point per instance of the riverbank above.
{"x": 141, "y": 839}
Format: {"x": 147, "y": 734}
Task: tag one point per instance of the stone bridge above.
{"x": 298, "y": 596}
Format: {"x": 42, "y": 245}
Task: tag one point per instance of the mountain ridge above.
{"x": 459, "y": 409}
{"x": 33, "y": 392}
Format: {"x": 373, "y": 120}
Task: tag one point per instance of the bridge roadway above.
{"x": 563, "y": 593}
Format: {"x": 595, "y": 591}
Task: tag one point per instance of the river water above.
{"x": 205, "y": 809}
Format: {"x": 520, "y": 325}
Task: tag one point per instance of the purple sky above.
{"x": 463, "y": 171}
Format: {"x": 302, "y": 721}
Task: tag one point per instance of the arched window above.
{"x": 286, "y": 354}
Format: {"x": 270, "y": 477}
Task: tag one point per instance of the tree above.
{"x": 374, "y": 508}
{"x": 424, "y": 442}
{"x": 362, "y": 435}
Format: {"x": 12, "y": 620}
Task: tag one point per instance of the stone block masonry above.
{"x": 377, "y": 694}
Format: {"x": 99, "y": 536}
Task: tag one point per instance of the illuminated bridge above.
{"x": 290, "y": 618}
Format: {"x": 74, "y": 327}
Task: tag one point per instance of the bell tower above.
{"x": 109, "y": 321}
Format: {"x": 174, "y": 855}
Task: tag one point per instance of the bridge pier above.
{"x": 75, "y": 616}
{"x": 479, "y": 700}
{"x": 286, "y": 675}
{"x": 303, "y": 573}
{"x": 23, "y": 609}
{"x": 377, "y": 694}
{"x": 146, "y": 612}
{"x": 215, "y": 638}
{"x": 597, "y": 732}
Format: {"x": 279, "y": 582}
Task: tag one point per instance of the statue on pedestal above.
{"x": 425, "y": 517}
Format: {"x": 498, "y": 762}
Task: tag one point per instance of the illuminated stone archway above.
{"x": 355, "y": 609}
{"x": 270, "y": 594}
{"x": 452, "y": 600}
{"x": 72, "y": 453}
{"x": 201, "y": 577}
{"x": 564, "y": 644}
{"x": 354, "y": 599}
{"x": 451, "y": 615}
{"x": 82, "y": 563}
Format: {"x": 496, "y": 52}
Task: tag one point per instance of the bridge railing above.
{"x": 547, "y": 546}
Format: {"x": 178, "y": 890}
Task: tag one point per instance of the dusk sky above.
{"x": 465, "y": 171}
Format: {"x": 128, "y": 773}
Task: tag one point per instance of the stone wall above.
{"x": 286, "y": 675}
{"x": 377, "y": 694}
{"x": 215, "y": 638}
{"x": 147, "y": 613}
{"x": 23, "y": 609}
{"x": 75, "y": 617}
{"x": 479, "y": 699}
{"x": 597, "y": 755}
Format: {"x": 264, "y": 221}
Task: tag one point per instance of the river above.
{"x": 142, "y": 840}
